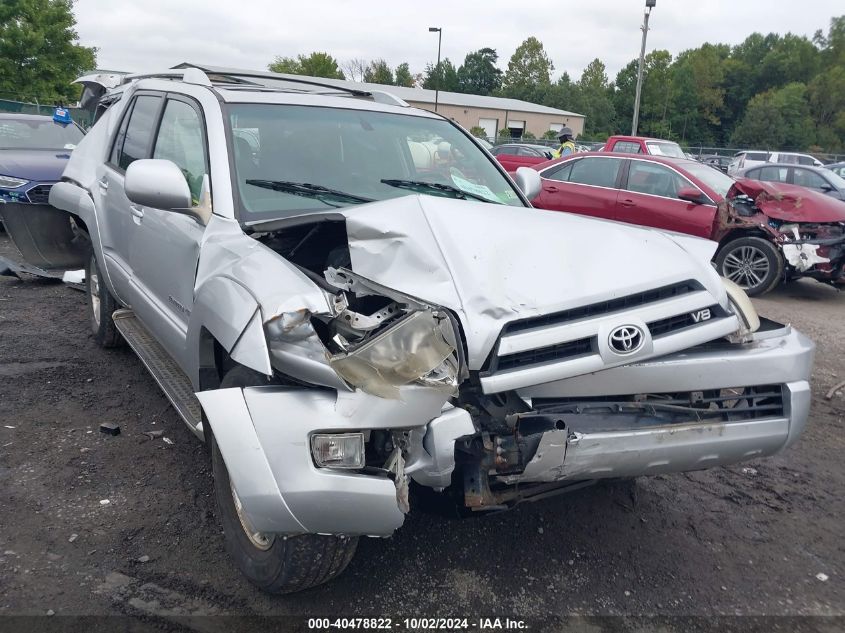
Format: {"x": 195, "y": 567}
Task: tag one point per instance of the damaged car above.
{"x": 766, "y": 232}
{"x": 345, "y": 326}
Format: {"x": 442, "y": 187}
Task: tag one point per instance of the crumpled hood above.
{"x": 790, "y": 203}
{"x": 34, "y": 164}
{"x": 493, "y": 264}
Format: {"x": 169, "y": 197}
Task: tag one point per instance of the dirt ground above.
{"x": 764, "y": 538}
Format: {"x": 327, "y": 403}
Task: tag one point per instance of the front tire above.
{"x": 101, "y": 305}
{"x": 753, "y": 263}
{"x": 274, "y": 563}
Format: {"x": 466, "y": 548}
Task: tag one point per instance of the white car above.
{"x": 791, "y": 158}
{"x": 745, "y": 159}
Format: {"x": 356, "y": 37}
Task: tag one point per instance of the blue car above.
{"x": 34, "y": 150}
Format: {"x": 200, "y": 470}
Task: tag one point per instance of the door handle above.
{"x": 551, "y": 189}
{"x": 627, "y": 202}
{"x": 104, "y": 185}
{"x": 137, "y": 212}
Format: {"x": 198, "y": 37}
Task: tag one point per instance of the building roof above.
{"x": 417, "y": 95}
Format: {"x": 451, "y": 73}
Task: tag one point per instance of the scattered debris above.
{"x": 110, "y": 428}
{"x": 627, "y": 593}
{"x": 72, "y": 538}
{"x": 74, "y": 276}
{"x": 749, "y": 471}
{"x": 834, "y": 389}
{"x": 167, "y": 440}
{"x": 822, "y": 576}
{"x": 153, "y": 434}
{"x": 50, "y": 612}
{"x": 143, "y": 559}
{"x": 9, "y": 426}
{"x": 724, "y": 588}
{"x": 104, "y": 502}
{"x": 539, "y": 530}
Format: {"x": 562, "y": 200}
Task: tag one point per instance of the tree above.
{"x": 529, "y": 71}
{"x": 448, "y": 77}
{"x": 39, "y": 53}
{"x": 592, "y": 99}
{"x": 793, "y": 104}
{"x": 355, "y": 68}
{"x": 826, "y": 95}
{"x": 478, "y": 74}
{"x": 314, "y": 65}
{"x": 550, "y": 135}
{"x": 478, "y": 131}
{"x": 378, "y": 72}
{"x": 403, "y": 76}
{"x": 762, "y": 126}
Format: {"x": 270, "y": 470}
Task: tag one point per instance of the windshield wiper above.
{"x": 418, "y": 185}
{"x": 308, "y": 190}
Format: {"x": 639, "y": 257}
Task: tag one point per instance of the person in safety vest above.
{"x": 567, "y": 145}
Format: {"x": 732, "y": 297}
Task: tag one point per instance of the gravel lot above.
{"x": 760, "y": 538}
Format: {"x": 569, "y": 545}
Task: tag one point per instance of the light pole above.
{"x": 649, "y": 5}
{"x": 439, "y": 31}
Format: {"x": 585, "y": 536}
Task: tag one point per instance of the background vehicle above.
{"x": 340, "y": 316}
{"x": 34, "y": 151}
{"x": 745, "y": 159}
{"x": 718, "y": 162}
{"x": 516, "y": 155}
{"x": 793, "y": 158}
{"x": 754, "y": 233}
{"x": 837, "y": 168}
{"x": 643, "y": 145}
{"x": 817, "y": 178}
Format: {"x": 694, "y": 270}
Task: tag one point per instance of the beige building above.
{"x": 491, "y": 113}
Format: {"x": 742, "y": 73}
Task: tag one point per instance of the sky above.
{"x": 144, "y": 35}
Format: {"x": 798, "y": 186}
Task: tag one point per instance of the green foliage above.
{"x": 529, "y": 72}
{"x": 550, "y": 135}
{"x": 316, "y": 64}
{"x": 504, "y": 134}
{"x": 528, "y": 136}
{"x": 478, "y": 131}
{"x": 378, "y": 72}
{"x": 478, "y": 75}
{"x": 593, "y": 94}
{"x": 448, "y": 77}
{"x": 403, "y": 76}
{"x": 39, "y": 56}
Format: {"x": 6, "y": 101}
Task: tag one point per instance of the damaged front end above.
{"x": 808, "y": 227}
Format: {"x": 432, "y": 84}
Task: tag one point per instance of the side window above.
{"x": 769, "y": 174}
{"x": 139, "y": 132}
{"x": 510, "y": 150}
{"x": 806, "y": 160}
{"x": 807, "y": 178}
{"x": 654, "y": 179}
{"x": 561, "y": 173}
{"x": 527, "y": 151}
{"x": 627, "y": 147}
{"x": 181, "y": 140}
{"x": 600, "y": 172}
{"x": 121, "y": 136}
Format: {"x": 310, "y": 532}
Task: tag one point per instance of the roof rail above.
{"x": 278, "y": 77}
{"x": 382, "y": 96}
{"x": 188, "y": 75}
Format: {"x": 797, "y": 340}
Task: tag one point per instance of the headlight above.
{"x": 419, "y": 348}
{"x": 8, "y": 182}
{"x": 749, "y": 321}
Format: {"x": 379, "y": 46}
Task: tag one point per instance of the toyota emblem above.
{"x": 626, "y": 339}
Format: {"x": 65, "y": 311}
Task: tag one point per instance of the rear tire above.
{"x": 101, "y": 306}
{"x": 274, "y": 563}
{"x": 753, "y": 263}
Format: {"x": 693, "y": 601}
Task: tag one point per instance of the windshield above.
{"x": 665, "y": 148}
{"x": 38, "y": 134}
{"x": 354, "y": 153}
{"x": 713, "y": 178}
{"x": 836, "y": 180}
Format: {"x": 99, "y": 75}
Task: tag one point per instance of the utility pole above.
{"x": 649, "y": 5}
{"x": 439, "y": 31}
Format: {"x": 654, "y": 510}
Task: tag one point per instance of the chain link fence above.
{"x": 82, "y": 117}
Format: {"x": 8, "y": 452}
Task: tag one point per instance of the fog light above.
{"x": 338, "y": 450}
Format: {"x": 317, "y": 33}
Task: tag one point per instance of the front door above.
{"x": 585, "y": 185}
{"x": 165, "y": 247}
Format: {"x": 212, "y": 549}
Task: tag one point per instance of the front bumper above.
{"x": 264, "y": 433}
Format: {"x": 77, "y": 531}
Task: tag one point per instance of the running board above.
{"x": 172, "y": 380}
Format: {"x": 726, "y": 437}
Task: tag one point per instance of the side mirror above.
{"x": 528, "y": 181}
{"x": 159, "y": 184}
{"x": 691, "y": 194}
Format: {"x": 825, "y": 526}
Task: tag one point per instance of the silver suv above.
{"x": 349, "y": 300}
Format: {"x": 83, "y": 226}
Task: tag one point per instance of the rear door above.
{"x": 132, "y": 142}
{"x": 585, "y": 185}
{"x": 649, "y": 197}
{"x": 164, "y": 247}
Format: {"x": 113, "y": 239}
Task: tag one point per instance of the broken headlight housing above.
{"x": 749, "y": 321}
{"x": 418, "y": 348}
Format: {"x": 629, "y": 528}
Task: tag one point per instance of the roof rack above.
{"x": 188, "y": 75}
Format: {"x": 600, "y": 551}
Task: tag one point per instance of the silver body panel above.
{"x": 192, "y": 284}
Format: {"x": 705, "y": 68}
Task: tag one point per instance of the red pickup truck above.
{"x": 643, "y": 145}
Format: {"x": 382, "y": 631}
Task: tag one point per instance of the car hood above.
{"x": 790, "y": 203}
{"x": 492, "y": 264}
{"x": 34, "y": 164}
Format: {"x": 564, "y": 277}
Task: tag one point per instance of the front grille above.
{"x": 39, "y": 194}
{"x": 673, "y": 324}
{"x": 729, "y": 404}
{"x": 606, "y": 307}
{"x": 562, "y": 351}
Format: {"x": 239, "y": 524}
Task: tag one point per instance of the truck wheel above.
{"x": 101, "y": 305}
{"x": 273, "y": 562}
{"x": 753, "y": 263}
